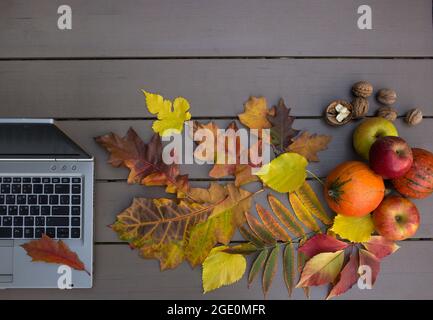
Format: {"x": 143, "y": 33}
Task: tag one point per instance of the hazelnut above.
{"x": 413, "y": 117}
{"x": 360, "y": 107}
{"x": 338, "y": 112}
{"x": 386, "y": 96}
{"x": 362, "y": 89}
{"x": 387, "y": 112}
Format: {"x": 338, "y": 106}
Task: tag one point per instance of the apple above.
{"x": 396, "y": 218}
{"x": 390, "y": 157}
{"x": 368, "y": 131}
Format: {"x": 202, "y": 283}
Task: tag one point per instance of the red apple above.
{"x": 396, "y": 218}
{"x": 390, "y": 157}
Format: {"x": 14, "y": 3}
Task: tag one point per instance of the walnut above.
{"x": 338, "y": 112}
{"x": 386, "y": 96}
{"x": 387, "y": 112}
{"x": 413, "y": 117}
{"x": 360, "y": 107}
{"x": 362, "y": 89}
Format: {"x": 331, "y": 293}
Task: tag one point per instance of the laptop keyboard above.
{"x": 32, "y": 206}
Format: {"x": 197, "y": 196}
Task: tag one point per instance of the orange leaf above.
{"x": 308, "y": 145}
{"x": 255, "y": 114}
{"x": 47, "y": 250}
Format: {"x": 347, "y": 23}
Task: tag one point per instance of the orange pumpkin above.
{"x": 418, "y": 181}
{"x": 353, "y": 189}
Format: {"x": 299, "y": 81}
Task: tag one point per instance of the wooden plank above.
{"x": 113, "y": 197}
{"x": 107, "y": 89}
{"x": 120, "y": 274}
{"x": 172, "y": 28}
{"x": 339, "y": 150}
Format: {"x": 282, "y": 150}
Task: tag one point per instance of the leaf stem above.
{"x": 315, "y": 177}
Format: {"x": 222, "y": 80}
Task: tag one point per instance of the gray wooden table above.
{"x": 216, "y": 54}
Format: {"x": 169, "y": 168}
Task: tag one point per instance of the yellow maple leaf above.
{"x": 308, "y": 145}
{"x": 221, "y": 269}
{"x": 170, "y": 116}
{"x": 255, "y": 114}
{"x": 354, "y": 229}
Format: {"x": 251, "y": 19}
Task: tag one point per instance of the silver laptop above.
{"x": 46, "y": 187}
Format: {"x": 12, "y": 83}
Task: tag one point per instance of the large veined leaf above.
{"x": 310, "y": 201}
{"x": 348, "y": 277}
{"x": 270, "y": 269}
{"x": 221, "y": 269}
{"x": 289, "y": 267}
{"x": 302, "y": 212}
{"x": 308, "y": 145}
{"x": 355, "y": 229}
{"x": 159, "y": 228}
{"x": 322, "y": 269}
{"x": 380, "y": 246}
{"x": 321, "y": 243}
{"x": 171, "y": 116}
{"x": 286, "y": 173}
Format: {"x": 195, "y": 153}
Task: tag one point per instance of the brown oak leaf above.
{"x": 308, "y": 145}
{"x": 255, "y": 114}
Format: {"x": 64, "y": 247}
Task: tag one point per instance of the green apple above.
{"x": 368, "y": 131}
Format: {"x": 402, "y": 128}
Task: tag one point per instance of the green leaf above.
{"x": 258, "y": 264}
{"x": 289, "y": 267}
{"x": 286, "y": 216}
{"x": 248, "y": 235}
{"x": 221, "y": 269}
{"x": 270, "y": 269}
{"x": 201, "y": 241}
{"x": 286, "y": 173}
{"x": 243, "y": 248}
{"x": 259, "y": 229}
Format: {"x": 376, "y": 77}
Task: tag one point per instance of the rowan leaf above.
{"x": 48, "y": 250}
{"x": 250, "y": 236}
{"x": 257, "y": 265}
{"x": 286, "y": 216}
{"x": 301, "y": 261}
{"x": 348, "y": 276}
{"x": 242, "y": 248}
{"x": 369, "y": 259}
{"x": 312, "y": 203}
{"x": 321, "y": 269}
{"x": 354, "y": 229}
{"x": 221, "y": 269}
{"x": 255, "y": 114}
{"x": 170, "y": 116}
{"x": 286, "y": 173}
{"x": 320, "y": 243}
{"x": 289, "y": 267}
{"x": 159, "y": 228}
{"x": 380, "y": 246}
{"x": 271, "y": 267}
{"x": 302, "y": 213}
{"x": 272, "y": 224}
{"x": 143, "y": 160}
{"x": 259, "y": 229}
{"x": 282, "y": 132}
{"x": 309, "y": 145}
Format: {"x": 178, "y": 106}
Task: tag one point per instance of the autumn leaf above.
{"x": 369, "y": 259}
{"x": 242, "y": 248}
{"x": 282, "y": 132}
{"x": 286, "y": 217}
{"x": 257, "y": 266}
{"x": 255, "y": 114}
{"x": 272, "y": 224}
{"x": 48, "y": 250}
{"x": 289, "y": 267}
{"x": 348, "y": 276}
{"x": 157, "y": 227}
{"x": 308, "y": 198}
{"x": 270, "y": 269}
{"x": 143, "y": 160}
{"x": 309, "y": 145}
{"x": 321, "y": 269}
{"x": 354, "y": 229}
{"x": 221, "y": 269}
{"x": 380, "y": 246}
{"x": 286, "y": 173}
{"x": 170, "y": 116}
{"x": 320, "y": 243}
{"x": 302, "y": 213}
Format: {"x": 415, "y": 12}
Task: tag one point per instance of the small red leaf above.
{"x": 368, "y": 259}
{"x": 348, "y": 277}
{"x": 321, "y": 243}
{"x": 49, "y": 251}
{"x": 380, "y": 247}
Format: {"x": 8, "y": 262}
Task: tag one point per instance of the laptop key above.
{"x": 76, "y": 180}
{"x": 32, "y": 199}
{"x": 27, "y": 180}
{"x": 62, "y": 188}
{"x": 45, "y": 210}
{"x": 16, "y": 180}
{"x": 64, "y": 199}
{"x": 29, "y": 221}
{"x": 21, "y": 199}
{"x": 39, "y": 232}
{"x": 76, "y": 199}
{"x": 40, "y": 221}
{"x": 48, "y": 189}
{"x": 66, "y": 180}
{"x": 7, "y": 221}
{"x": 50, "y": 232}
{"x": 57, "y": 221}
{"x": 37, "y": 188}
{"x": 18, "y": 232}
{"x": 28, "y": 233}
{"x": 3, "y": 210}
{"x": 75, "y": 210}
{"x": 12, "y": 210}
{"x": 7, "y": 180}
{"x": 55, "y": 180}
{"x": 24, "y": 210}
{"x": 46, "y": 180}
{"x": 27, "y": 188}
{"x": 75, "y": 221}
{"x": 76, "y": 188}
{"x": 60, "y": 210}
{"x": 75, "y": 233}
{"x": 10, "y": 199}
{"x": 36, "y": 180}
{"x": 5, "y": 188}
{"x": 34, "y": 210}
{"x": 2, "y": 198}
{"x": 5, "y": 232}
{"x": 18, "y": 221}
{"x": 16, "y": 188}
{"x": 62, "y": 233}
{"x": 54, "y": 199}
{"x": 43, "y": 199}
